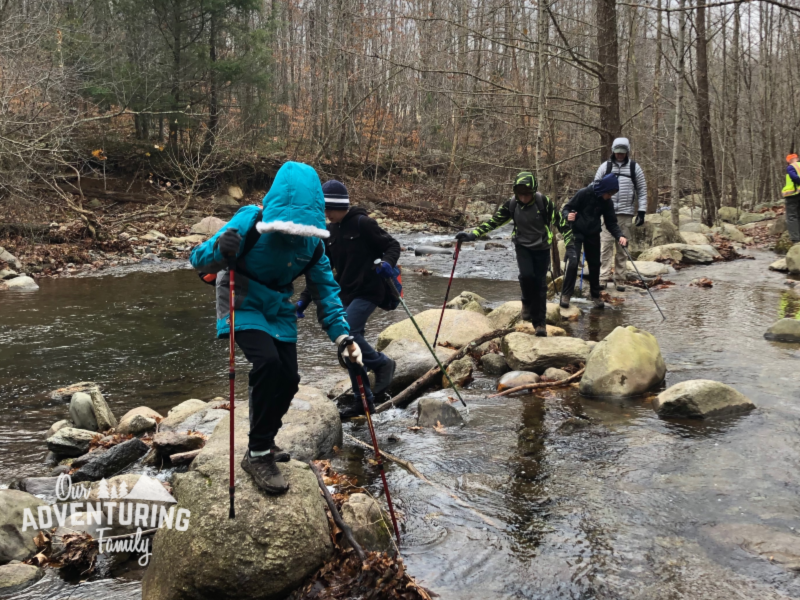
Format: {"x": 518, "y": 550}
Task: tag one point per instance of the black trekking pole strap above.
{"x": 635, "y": 268}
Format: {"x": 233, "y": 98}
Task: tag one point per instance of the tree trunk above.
{"x": 652, "y": 198}
{"x": 675, "y": 203}
{"x": 733, "y": 111}
{"x": 608, "y": 57}
{"x": 709, "y": 169}
{"x": 213, "y": 106}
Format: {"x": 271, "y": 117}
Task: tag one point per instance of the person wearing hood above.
{"x": 356, "y": 241}
{"x": 587, "y": 212}
{"x": 535, "y": 219}
{"x": 629, "y": 202}
{"x": 791, "y": 196}
{"x": 286, "y": 240}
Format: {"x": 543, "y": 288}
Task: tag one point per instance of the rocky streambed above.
{"x": 566, "y": 490}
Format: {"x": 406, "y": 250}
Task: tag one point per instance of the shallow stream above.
{"x": 629, "y": 507}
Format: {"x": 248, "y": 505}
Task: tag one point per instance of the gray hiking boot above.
{"x": 620, "y": 287}
{"x": 525, "y": 313}
{"x": 541, "y": 331}
{"x": 564, "y": 303}
{"x": 265, "y": 473}
{"x": 598, "y": 303}
{"x": 279, "y": 454}
{"x": 383, "y": 378}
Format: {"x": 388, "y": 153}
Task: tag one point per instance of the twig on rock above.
{"x": 337, "y": 518}
{"x": 539, "y": 386}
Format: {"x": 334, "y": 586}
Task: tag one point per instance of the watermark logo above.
{"x": 147, "y": 506}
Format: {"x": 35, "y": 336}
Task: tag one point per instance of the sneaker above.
{"x": 383, "y": 377}
{"x": 564, "y": 302}
{"x": 620, "y": 287}
{"x": 598, "y": 303}
{"x": 265, "y": 473}
{"x": 541, "y": 331}
{"x": 279, "y": 454}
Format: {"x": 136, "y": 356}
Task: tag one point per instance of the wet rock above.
{"x": 432, "y": 411}
{"x": 694, "y": 239}
{"x": 368, "y": 523}
{"x": 529, "y": 353}
{"x": 573, "y": 313}
{"x": 274, "y": 543}
{"x": 69, "y": 441}
{"x": 56, "y": 426}
{"x": 729, "y": 214}
{"x": 466, "y": 298}
{"x": 554, "y": 374}
{"x": 81, "y": 412}
{"x": 428, "y": 250}
{"x": 779, "y": 265}
{"x": 77, "y": 463}
{"x": 775, "y": 545}
{"x": 412, "y": 360}
{"x": 59, "y": 470}
{"x": 505, "y": 315}
{"x": 793, "y": 260}
{"x": 114, "y": 460}
{"x": 179, "y": 413}
{"x": 553, "y": 316}
{"x": 23, "y": 283}
{"x": 7, "y": 274}
{"x": 203, "y": 421}
{"x": 784, "y": 330}
{"x": 311, "y": 428}
{"x": 7, "y": 257}
{"x": 458, "y": 328}
{"x": 235, "y": 192}
{"x": 16, "y": 544}
{"x": 657, "y": 230}
{"x": 16, "y": 577}
{"x": 681, "y": 253}
{"x": 42, "y": 487}
{"x": 208, "y": 226}
{"x": 747, "y": 218}
{"x": 515, "y": 379}
{"x": 552, "y": 330}
{"x": 627, "y": 362}
{"x": 695, "y": 228}
{"x": 494, "y": 246}
{"x": 138, "y": 421}
{"x": 105, "y": 418}
{"x": 701, "y": 399}
{"x": 650, "y": 269}
{"x": 460, "y": 372}
{"x": 573, "y": 424}
{"x": 172, "y": 442}
{"x": 493, "y": 365}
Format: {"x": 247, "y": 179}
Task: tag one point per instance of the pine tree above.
{"x": 123, "y": 489}
{"x": 103, "y": 491}
{"x": 114, "y": 492}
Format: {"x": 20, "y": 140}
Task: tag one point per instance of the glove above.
{"x": 466, "y": 236}
{"x": 571, "y": 255}
{"x": 353, "y": 352}
{"x": 300, "y": 309}
{"x": 640, "y": 218}
{"x": 229, "y": 242}
{"x": 384, "y": 270}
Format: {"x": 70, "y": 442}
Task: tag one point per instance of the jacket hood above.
{"x": 355, "y": 211}
{"x": 295, "y": 203}
{"x": 526, "y": 179}
{"x": 621, "y": 141}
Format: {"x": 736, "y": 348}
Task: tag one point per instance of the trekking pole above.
{"x": 663, "y": 318}
{"x": 232, "y": 378}
{"x": 378, "y": 456}
{"x": 583, "y": 261}
{"x": 447, "y": 293}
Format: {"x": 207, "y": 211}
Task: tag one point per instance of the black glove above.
{"x": 640, "y": 218}
{"x": 571, "y": 255}
{"x": 465, "y": 236}
{"x": 229, "y": 242}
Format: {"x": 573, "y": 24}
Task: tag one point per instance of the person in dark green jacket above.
{"x": 535, "y": 217}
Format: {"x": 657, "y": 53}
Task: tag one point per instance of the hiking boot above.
{"x": 383, "y": 377}
{"x": 598, "y": 303}
{"x": 525, "y": 313}
{"x": 620, "y": 287}
{"x": 279, "y": 454}
{"x": 564, "y": 303}
{"x": 265, "y": 473}
{"x": 541, "y": 331}
{"x": 356, "y": 410}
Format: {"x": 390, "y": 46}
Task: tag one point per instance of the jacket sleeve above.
{"x": 610, "y": 220}
{"x": 378, "y": 238}
{"x": 500, "y": 218}
{"x": 558, "y": 221}
{"x": 573, "y": 205}
{"x": 324, "y": 291}
{"x": 601, "y": 171}
{"x": 207, "y": 257}
{"x": 792, "y": 172}
{"x": 641, "y": 187}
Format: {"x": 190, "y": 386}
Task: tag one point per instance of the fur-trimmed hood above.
{"x": 295, "y": 203}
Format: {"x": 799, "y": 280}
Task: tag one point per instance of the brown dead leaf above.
{"x": 415, "y": 428}
{"x": 439, "y": 428}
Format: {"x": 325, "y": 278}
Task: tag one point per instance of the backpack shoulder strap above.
{"x": 512, "y": 207}
{"x": 318, "y": 252}
{"x": 609, "y": 166}
{"x": 633, "y": 176}
{"x": 540, "y": 199}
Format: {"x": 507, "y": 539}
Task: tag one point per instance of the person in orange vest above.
{"x": 791, "y": 195}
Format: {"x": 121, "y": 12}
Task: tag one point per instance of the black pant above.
{"x": 533, "y": 266}
{"x": 591, "y": 246}
{"x": 274, "y": 381}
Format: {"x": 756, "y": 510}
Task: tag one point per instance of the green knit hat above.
{"x": 523, "y": 180}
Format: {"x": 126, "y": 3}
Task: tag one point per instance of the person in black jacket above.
{"x": 584, "y": 212}
{"x": 356, "y": 241}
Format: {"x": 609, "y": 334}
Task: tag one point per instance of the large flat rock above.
{"x": 525, "y": 352}
{"x": 459, "y": 327}
{"x": 701, "y": 399}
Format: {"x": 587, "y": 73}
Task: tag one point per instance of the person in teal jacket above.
{"x": 291, "y": 223}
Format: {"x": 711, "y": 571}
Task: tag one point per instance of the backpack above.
{"x": 249, "y": 241}
{"x": 539, "y": 198}
{"x": 631, "y": 176}
{"x": 393, "y": 285}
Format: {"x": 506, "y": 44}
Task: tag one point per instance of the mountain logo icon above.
{"x": 150, "y": 489}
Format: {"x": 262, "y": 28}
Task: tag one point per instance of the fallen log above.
{"x": 183, "y": 458}
{"x": 337, "y": 518}
{"x": 411, "y": 392}
{"x": 539, "y": 386}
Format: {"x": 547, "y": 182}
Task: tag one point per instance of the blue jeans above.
{"x": 358, "y": 312}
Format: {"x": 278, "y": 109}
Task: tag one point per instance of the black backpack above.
{"x": 539, "y": 198}
{"x": 632, "y": 176}
{"x": 249, "y": 241}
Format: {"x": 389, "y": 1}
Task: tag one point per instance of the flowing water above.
{"x": 630, "y": 507}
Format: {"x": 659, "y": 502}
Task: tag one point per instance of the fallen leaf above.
{"x": 439, "y": 427}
